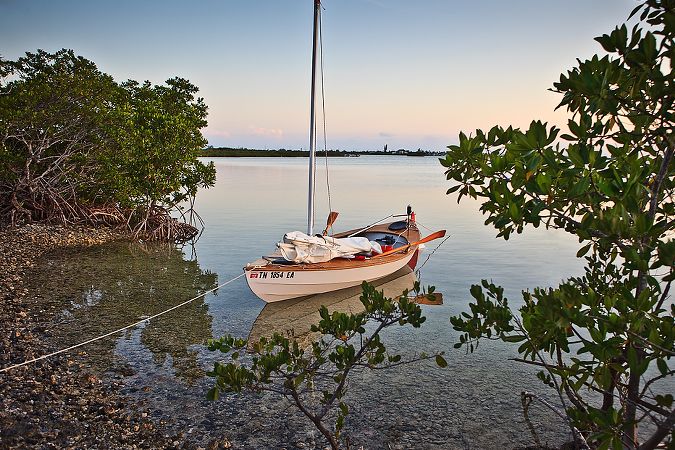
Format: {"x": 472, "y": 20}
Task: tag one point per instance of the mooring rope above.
{"x": 370, "y": 226}
{"x": 146, "y": 320}
{"x": 432, "y": 253}
{"x": 423, "y": 226}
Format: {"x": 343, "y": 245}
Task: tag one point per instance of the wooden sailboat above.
{"x": 273, "y": 278}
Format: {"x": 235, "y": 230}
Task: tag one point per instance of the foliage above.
{"x": 75, "y": 146}
{"x": 280, "y": 365}
{"x": 54, "y": 112}
{"x": 160, "y": 145}
{"x": 604, "y": 339}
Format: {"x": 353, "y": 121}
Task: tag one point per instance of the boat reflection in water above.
{"x": 295, "y": 317}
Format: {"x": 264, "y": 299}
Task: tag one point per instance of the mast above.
{"x": 312, "y": 149}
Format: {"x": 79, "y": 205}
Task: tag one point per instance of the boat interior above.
{"x": 389, "y": 235}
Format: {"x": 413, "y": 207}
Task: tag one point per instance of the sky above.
{"x": 405, "y": 73}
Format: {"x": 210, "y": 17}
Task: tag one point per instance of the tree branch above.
{"x": 578, "y": 437}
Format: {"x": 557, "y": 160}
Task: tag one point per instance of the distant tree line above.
{"x": 248, "y": 152}
{"x": 76, "y": 147}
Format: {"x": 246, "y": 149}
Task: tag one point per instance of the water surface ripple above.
{"x": 474, "y": 403}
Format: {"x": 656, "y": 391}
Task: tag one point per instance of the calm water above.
{"x": 474, "y": 403}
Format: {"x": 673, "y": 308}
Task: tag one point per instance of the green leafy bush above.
{"x": 75, "y": 146}
{"x": 279, "y": 364}
{"x": 603, "y": 340}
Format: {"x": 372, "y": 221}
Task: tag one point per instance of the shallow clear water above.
{"x": 474, "y": 403}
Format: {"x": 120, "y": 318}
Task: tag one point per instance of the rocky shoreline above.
{"x": 57, "y": 402}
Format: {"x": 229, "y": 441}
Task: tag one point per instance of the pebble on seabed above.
{"x": 56, "y": 402}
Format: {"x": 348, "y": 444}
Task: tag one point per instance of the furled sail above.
{"x": 299, "y": 247}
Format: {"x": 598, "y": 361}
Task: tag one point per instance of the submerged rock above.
{"x": 57, "y": 402}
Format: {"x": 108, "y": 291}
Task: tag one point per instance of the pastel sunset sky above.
{"x": 410, "y": 74}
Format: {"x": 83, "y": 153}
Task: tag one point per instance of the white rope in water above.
{"x": 146, "y": 320}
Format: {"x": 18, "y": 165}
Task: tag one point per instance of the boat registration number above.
{"x": 272, "y": 275}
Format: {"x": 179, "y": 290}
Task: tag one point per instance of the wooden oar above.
{"x": 331, "y": 220}
{"x": 431, "y": 237}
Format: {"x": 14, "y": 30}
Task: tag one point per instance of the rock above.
{"x": 56, "y": 403}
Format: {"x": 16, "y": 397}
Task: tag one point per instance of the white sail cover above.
{"x": 301, "y": 248}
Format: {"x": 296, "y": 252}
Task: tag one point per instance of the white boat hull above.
{"x": 274, "y": 286}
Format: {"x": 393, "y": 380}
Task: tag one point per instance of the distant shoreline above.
{"x": 284, "y": 153}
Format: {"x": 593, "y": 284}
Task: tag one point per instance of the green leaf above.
{"x": 580, "y": 187}
{"x": 514, "y": 211}
{"x": 662, "y": 366}
{"x": 632, "y": 359}
{"x": 297, "y": 381}
{"x": 583, "y": 250}
{"x": 213, "y": 394}
{"x": 513, "y": 338}
{"x": 453, "y": 189}
{"x": 441, "y": 362}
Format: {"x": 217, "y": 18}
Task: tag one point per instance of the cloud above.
{"x": 385, "y": 134}
{"x": 274, "y": 132}
{"x": 211, "y": 132}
